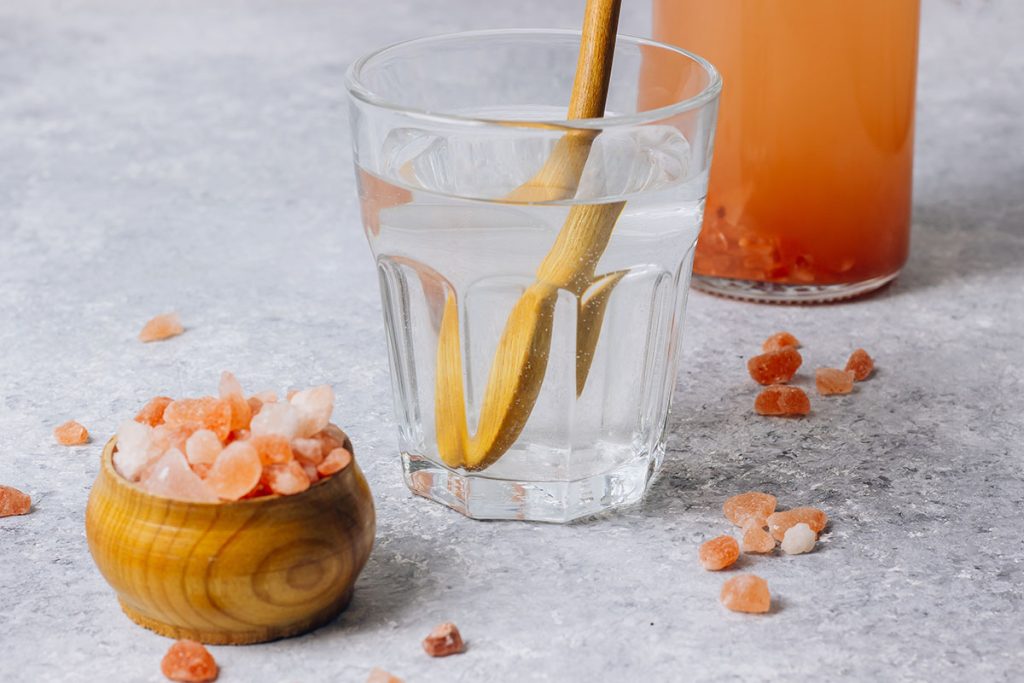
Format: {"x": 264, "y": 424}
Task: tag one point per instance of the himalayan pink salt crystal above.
{"x": 775, "y": 367}
{"x": 153, "y": 412}
{"x": 236, "y": 471}
{"x": 336, "y": 460}
{"x": 756, "y": 539}
{"x": 719, "y": 553}
{"x": 189, "y": 662}
{"x": 282, "y": 419}
{"x": 291, "y": 392}
{"x": 798, "y": 539}
{"x": 779, "y": 522}
{"x": 860, "y": 364}
{"x": 746, "y": 593}
{"x": 13, "y": 502}
{"x": 382, "y": 676}
{"x": 287, "y": 479}
{"x": 171, "y": 477}
{"x": 444, "y": 640}
{"x": 782, "y": 400}
{"x": 230, "y": 390}
{"x": 254, "y": 404}
{"x": 310, "y": 470}
{"x": 240, "y": 435}
{"x": 201, "y": 468}
{"x": 272, "y": 449}
{"x": 200, "y": 413}
{"x": 830, "y": 381}
{"x": 315, "y": 406}
{"x": 780, "y": 340}
{"x": 308, "y": 449}
{"x": 161, "y": 327}
{"x": 167, "y": 436}
{"x": 135, "y": 449}
{"x": 71, "y": 433}
{"x": 202, "y": 448}
{"x": 752, "y": 506}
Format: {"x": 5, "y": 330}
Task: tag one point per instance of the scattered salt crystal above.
{"x": 775, "y": 367}
{"x": 444, "y": 640}
{"x": 861, "y": 364}
{"x": 13, "y": 501}
{"x": 203, "y": 447}
{"x": 751, "y": 506}
{"x": 189, "y": 662}
{"x": 315, "y": 406}
{"x": 171, "y": 477}
{"x": 71, "y": 433}
{"x": 746, "y": 593}
{"x": 798, "y": 539}
{"x": 134, "y": 449}
{"x": 757, "y": 540}
{"x": 382, "y": 676}
{"x": 780, "y": 399}
{"x": 719, "y": 553}
{"x": 235, "y": 472}
{"x": 780, "y": 340}
{"x": 282, "y": 419}
{"x": 779, "y": 522}
{"x": 831, "y": 381}
{"x": 161, "y": 327}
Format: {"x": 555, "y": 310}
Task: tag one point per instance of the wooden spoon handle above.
{"x": 594, "y": 65}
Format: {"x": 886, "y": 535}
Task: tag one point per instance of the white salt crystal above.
{"x": 203, "y": 447}
{"x": 798, "y": 539}
{"x": 282, "y": 419}
{"x": 315, "y": 407}
{"x": 171, "y": 477}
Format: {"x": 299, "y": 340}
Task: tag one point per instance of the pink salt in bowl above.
{"x": 238, "y": 572}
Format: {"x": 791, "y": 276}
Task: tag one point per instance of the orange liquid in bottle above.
{"x": 811, "y": 178}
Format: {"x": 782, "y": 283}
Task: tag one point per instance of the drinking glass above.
{"x": 448, "y": 133}
{"x": 810, "y": 190}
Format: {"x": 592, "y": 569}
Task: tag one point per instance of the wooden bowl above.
{"x": 231, "y": 573}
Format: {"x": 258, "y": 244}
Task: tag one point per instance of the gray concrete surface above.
{"x": 194, "y": 156}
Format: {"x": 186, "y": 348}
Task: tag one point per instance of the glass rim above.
{"x": 357, "y": 90}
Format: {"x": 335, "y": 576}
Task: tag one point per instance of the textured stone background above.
{"x": 194, "y": 156}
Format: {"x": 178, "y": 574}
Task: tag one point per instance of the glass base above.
{"x": 481, "y": 497}
{"x": 779, "y": 293}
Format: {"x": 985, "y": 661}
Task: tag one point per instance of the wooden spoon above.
{"x": 522, "y": 355}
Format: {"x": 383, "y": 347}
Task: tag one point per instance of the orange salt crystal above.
{"x": 200, "y": 413}
{"x": 202, "y": 447}
{"x": 161, "y": 327}
{"x": 310, "y": 470}
{"x": 830, "y": 381}
{"x": 861, "y": 364}
{"x": 13, "y": 501}
{"x": 382, "y": 676}
{"x": 236, "y": 471}
{"x": 779, "y": 340}
{"x": 746, "y": 593}
{"x": 287, "y": 479}
{"x": 719, "y": 553}
{"x": 756, "y": 540}
{"x": 153, "y": 412}
{"x": 308, "y": 449}
{"x": 272, "y": 448}
{"x": 752, "y": 506}
{"x": 230, "y": 390}
{"x": 254, "y": 404}
{"x": 189, "y": 661}
{"x": 336, "y": 460}
{"x": 782, "y": 400}
{"x": 444, "y": 640}
{"x": 775, "y": 367}
{"x": 780, "y": 522}
{"x": 71, "y": 434}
